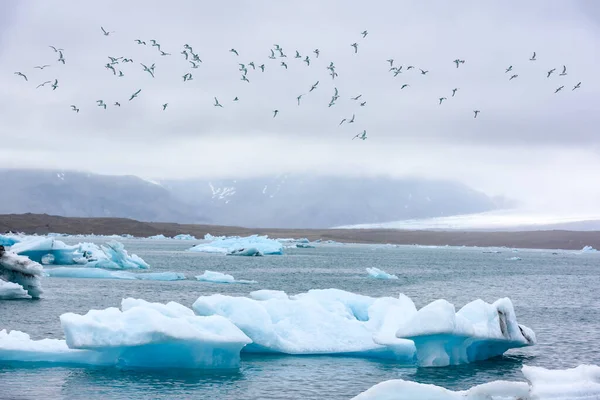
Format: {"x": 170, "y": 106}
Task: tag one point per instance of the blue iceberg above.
{"x": 379, "y": 274}
{"x": 357, "y": 325}
{"x": 98, "y": 273}
{"x": 51, "y": 251}
{"x": 8, "y": 240}
{"x": 184, "y": 237}
{"x": 236, "y": 245}
{"x": 140, "y": 335}
{"x": 218, "y": 277}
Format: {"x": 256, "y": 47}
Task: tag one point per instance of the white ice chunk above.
{"x": 11, "y": 290}
{"x": 98, "y": 273}
{"x": 22, "y": 271}
{"x": 184, "y": 236}
{"x": 219, "y": 277}
{"x": 582, "y": 382}
{"x": 236, "y": 244}
{"x": 380, "y": 274}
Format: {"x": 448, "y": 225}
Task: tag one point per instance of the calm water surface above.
{"x": 554, "y": 294}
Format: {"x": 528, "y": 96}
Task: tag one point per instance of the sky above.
{"x": 527, "y": 143}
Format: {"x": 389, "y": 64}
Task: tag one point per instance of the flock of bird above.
{"x": 277, "y": 52}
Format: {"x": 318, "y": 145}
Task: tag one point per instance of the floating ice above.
{"x": 239, "y": 245}
{"x": 157, "y": 237}
{"x": 147, "y": 335}
{"x": 21, "y": 271}
{"x": 304, "y": 246}
{"x": 249, "y": 252}
{"x": 478, "y": 331}
{"x": 11, "y": 290}
{"x": 98, "y": 273}
{"x": 379, "y": 274}
{"x": 580, "y": 383}
{"x": 218, "y": 277}
{"x": 363, "y": 326}
{"x": 184, "y": 237}
{"x": 8, "y": 240}
{"x": 513, "y": 259}
{"x": 51, "y": 251}
{"x": 588, "y": 249}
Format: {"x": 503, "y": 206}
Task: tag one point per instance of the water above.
{"x": 556, "y": 295}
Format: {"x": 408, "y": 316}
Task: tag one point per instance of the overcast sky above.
{"x": 527, "y": 143}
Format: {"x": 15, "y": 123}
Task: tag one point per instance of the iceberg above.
{"x": 8, "y": 240}
{"x": 476, "y": 332}
{"x": 588, "y": 249}
{"x": 304, "y": 246}
{"x": 184, "y": 237}
{"x": 514, "y": 259}
{"x": 157, "y": 237}
{"x": 218, "y": 277}
{"x": 51, "y": 251}
{"x": 98, "y": 273}
{"x": 379, "y": 274}
{"x": 140, "y": 335}
{"x": 580, "y": 383}
{"x": 357, "y": 325}
{"x": 20, "y": 271}
{"x": 235, "y": 245}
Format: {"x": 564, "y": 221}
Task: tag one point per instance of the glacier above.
{"x": 379, "y": 274}
{"x": 236, "y": 245}
{"x": 51, "y": 251}
{"x": 16, "y": 270}
{"x": 219, "y": 277}
{"x": 98, "y": 273}
{"x": 139, "y": 335}
{"x": 357, "y": 325}
{"x": 580, "y": 383}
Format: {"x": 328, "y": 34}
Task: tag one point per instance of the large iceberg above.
{"x": 386, "y": 327}
{"x": 19, "y": 271}
{"x": 236, "y": 245}
{"x": 219, "y": 277}
{"x": 51, "y": 251}
{"x": 580, "y": 383}
{"x": 141, "y": 334}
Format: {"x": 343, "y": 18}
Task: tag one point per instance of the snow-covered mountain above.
{"x": 283, "y": 201}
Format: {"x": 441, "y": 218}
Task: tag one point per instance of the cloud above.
{"x": 527, "y": 142}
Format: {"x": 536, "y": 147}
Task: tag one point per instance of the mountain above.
{"x": 285, "y": 201}
{"x": 76, "y": 194}
{"x": 302, "y": 201}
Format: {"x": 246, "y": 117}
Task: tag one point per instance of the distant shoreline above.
{"x": 547, "y": 239}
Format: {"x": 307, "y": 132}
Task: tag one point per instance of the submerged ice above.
{"x": 235, "y": 245}
{"x": 140, "y": 334}
{"x": 51, "y": 251}
{"x": 358, "y": 325}
{"x": 580, "y": 383}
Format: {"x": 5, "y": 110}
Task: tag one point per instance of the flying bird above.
{"x": 397, "y": 71}
{"x": 476, "y": 112}
{"x": 217, "y": 104}
{"x": 424, "y": 72}
{"x": 251, "y": 63}
{"x": 185, "y": 54}
{"x": 307, "y": 61}
{"x": 149, "y": 70}
{"x": 532, "y": 57}
{"x": 236, "y": 99}
{"x": 508, "y": 69}
{"x": 351, "y": 120}
{"x": 55, "y": 84}
{"x": 272, "y": 56}
{"x": 234, "y": 51}
{"x": 513, "y": 77}
{"x": 262, "y": 67}
{"x": 101, "y": 103}
{"x": 404, "y": 86}
{"x": 60, "y": 57}
{"x": 391, "y": 61}
{"x": 457, "y": 62}
{"x": 559, "y": 89}
{"x": 133, "y": 96}
{"x": 281, "y": 54}
{"x": 283, "y": 64}
{"x": 23, "y": 75}
{"x": 564, "y": 71}
{"x": 342, "y": 121}
{"x": 55, "y": 49}
{"x": 576, "y": 86}
{"x": 42, "y": 66}
{"x": 140, "y": 41}
{"x": 108, "y": 66}
{"x": 355, "y": 45}
{"x": 317, "y": 52}
{"x": 43, "y": 84}
{"x": 275, "y": 112}
{"x": 442, "y": 99}
{"x": 187, "y": 47}
{"x": 127, "y": 60}
{"x": 164, "y": 106}
{"x": 364, "y": 34}
{"x": 105, "y": 32}
{"x": 409, "y": 67}
{"x": 194, "y": 65}
{"x": 117, "y": 104}
{"x": 356, "y": 98}
{"x": 162, "y": 53}
{"x": 313, "y": 87}
{"x": 550, "y": 72}
{"x": 245, "y": 79}
{"x": 454, "y": 91}
{"x": 364, "y": 103}
{"x": 297, "y": 55}
{"x": 121, "y": 74}
{"x": 298, "y": 98}
{"x": 74, "y": 108}
{"x": 362, "y": 135}
{"x": 188, "y": 77}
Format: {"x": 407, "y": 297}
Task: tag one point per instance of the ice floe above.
{"x": 219, "y": 277}
{"x": 358, "y": 325}
{"x": 51, "y": 251}
{"x": 21, "y": 271}
{"x": 580, "y": 383}
{"x": 141, "y": 334}
{"x": 236, "y": 245}
{"x": 379, "y": 274}
{"x": 99, "y": 273}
